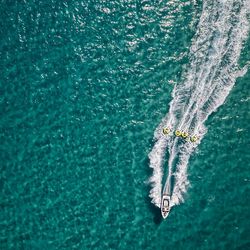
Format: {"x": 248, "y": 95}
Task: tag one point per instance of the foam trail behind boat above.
{"x": 213, "y": 70}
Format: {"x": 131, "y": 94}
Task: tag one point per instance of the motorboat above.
{"x": 165, "y": 205}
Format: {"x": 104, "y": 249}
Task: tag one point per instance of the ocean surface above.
{"x": 85, "y": 90}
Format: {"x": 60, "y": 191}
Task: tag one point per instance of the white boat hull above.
{"x": 165, "y": 206}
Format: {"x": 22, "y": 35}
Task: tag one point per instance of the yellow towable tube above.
{"x": 166, "y": 131}
{"x": 194, "y": 138}
{"x": 177, "y": 132}
{"x": 184, "y": 135}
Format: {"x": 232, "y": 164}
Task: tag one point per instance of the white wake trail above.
{"x": 212, "y": 72}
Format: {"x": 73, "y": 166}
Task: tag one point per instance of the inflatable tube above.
{"x": 184, "y": 135}
{"x": 166, "y": 131}
{"x": 194, "y": 138}
{"x": 177, "y": 132}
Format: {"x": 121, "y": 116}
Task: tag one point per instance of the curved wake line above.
{"x": 214, "y": 54}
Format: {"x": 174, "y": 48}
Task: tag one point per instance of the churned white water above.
{"x": 211, "y": 74}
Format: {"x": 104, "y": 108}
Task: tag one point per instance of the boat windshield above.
{"x": 165, "y": 203}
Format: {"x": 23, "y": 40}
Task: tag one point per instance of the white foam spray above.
{"x": 213, "y": 70}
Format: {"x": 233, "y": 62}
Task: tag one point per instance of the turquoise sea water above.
{"x": 83, "y": 85}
